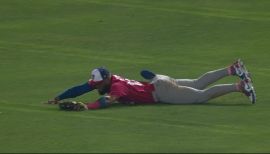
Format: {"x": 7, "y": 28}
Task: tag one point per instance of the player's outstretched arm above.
{"x": 102, "y": 102}
{"x": 72, "y": 93}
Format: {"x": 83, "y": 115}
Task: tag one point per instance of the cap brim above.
{"x": 94, "y": 83}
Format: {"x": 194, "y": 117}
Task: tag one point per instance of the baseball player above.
{"x": 158, "y": 88}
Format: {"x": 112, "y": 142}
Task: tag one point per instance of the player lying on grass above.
{"x": 158, "y": 89}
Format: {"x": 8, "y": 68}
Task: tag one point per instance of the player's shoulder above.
{"x": 117, "y": 81}
{"x": 117, "y": 77}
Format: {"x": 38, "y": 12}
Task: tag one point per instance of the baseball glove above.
{"x": 72, "y": 106}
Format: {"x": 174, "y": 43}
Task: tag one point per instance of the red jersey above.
{"x": 131, "y": 91}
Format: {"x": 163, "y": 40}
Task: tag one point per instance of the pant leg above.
{"x": 205, "y": 80}
{"x": 187, "y": 82}
{"x": 217, "y": 91}
{"x": 170, "y": 92}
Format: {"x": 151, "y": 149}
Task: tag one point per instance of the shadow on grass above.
{"x": 224, "y": 104}
{"x": 157, "y": 105}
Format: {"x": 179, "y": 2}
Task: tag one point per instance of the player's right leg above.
{"x": 244, "y": 86}
{"x": 248, "y": 89}
{"x": 236, "y": 69}
{"x": 204, "y": 80}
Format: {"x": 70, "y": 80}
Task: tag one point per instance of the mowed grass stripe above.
{"x": 139, "y": 120}
{"x": 49, "y": 51}
{"x": 195, "y": 126}
{"x": 68, "y": 52}
{"x": 202, "y": 11}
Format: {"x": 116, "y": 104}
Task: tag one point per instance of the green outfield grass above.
{"x": 47, "y": 46}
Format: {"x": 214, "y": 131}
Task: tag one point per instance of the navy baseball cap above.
{"x": 99, "y": 74}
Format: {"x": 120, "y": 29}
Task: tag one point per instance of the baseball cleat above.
{"x": 240, "y": 70}
{"x": 147, "y": 74}
{"x": 248, "y": 89}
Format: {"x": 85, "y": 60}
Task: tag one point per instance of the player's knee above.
{"x": 201, "y": 97}
{"x": 198, "y": 85}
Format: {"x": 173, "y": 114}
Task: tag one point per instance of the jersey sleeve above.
{"x": 76, "y": 91}
{"x": 118, "y": 90}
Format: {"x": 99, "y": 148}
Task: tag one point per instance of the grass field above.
{"x": 47, "y": 46}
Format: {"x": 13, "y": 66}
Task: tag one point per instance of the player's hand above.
{"x": 54, "y": 101}
{"x": 72, "y": 106}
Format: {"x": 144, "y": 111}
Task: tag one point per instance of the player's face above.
{"x": 103, "y": 87}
